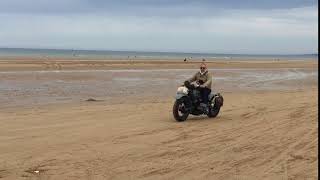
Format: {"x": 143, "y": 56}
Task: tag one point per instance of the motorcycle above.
{"x": 188, "y": 101}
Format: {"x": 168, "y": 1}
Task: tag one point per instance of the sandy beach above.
{"x": 267, "y": 128}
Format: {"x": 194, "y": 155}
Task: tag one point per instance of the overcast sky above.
{"x": 213, "y": 26}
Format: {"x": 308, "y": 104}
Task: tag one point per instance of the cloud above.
{"x": 144, "y": 7}
{"x": 290, "y": 30}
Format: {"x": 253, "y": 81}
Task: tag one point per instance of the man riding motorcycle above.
{"x": 204, "y": 79}
{"x": 196, "y": 98}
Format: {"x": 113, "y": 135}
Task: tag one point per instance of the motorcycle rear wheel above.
{"x": 213, "y": 112}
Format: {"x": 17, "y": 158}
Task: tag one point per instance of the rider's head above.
{"x": 203, "y": 67}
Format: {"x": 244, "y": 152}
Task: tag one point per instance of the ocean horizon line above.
{"x": 155, "y": 51}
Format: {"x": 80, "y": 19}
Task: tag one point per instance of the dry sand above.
{"x": 267, "y": 134}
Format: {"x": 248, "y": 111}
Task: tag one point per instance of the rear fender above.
{"x": 216, "y": 99}
{"x": 211, "y": 96}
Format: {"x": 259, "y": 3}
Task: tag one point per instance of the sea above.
{"x": 129, "y": 55}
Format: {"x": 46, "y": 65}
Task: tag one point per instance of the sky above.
{"x": 205, "y": 26}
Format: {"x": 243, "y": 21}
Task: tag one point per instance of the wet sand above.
{"x": 267, "y": 128}
{"x": 25, "y": 64}
{"x": 34, "y": 88}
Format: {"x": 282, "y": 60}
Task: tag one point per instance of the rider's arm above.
{"x": 193, "y": 78}
{"x": 208, "y": 82}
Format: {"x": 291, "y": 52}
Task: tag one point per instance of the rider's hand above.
{"x": 186, "y": 83}
{"x": 202, "y": 86}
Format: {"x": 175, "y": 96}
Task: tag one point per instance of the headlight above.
{"x": 183, "y": 90}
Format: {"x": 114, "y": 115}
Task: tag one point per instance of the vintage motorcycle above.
{"x": 188, "y": 101}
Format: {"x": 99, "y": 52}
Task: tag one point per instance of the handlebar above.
{"x": 191, "y": 86}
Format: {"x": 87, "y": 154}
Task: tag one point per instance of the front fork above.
{"x": 187, "y": 103}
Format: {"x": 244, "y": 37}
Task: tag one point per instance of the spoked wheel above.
{"x": 214, "y": 108}
{"x": 213, "y": 111}
{"x": 180, "y": 112}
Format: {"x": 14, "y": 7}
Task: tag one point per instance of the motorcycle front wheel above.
{"x": 179, "y": 110}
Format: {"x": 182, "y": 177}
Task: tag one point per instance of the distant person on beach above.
{"x": 185, "y": 60}
{"x": 204, "y": 79}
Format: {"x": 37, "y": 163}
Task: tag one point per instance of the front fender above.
{"x": 180, "y": 95}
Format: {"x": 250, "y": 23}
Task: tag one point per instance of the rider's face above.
{"x": 202, "y": 68}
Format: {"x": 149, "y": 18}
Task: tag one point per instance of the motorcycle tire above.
{"x": 175, "y": 111}
{"x": 214, "y": 111}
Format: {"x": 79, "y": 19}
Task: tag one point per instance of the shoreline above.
{"x": 65, "y": 64}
